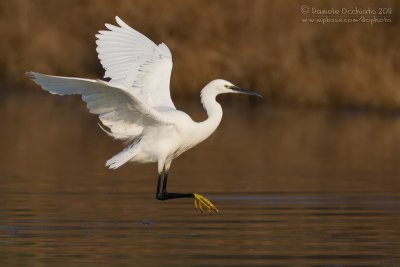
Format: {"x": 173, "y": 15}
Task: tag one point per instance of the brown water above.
{"x": 295, "y": 188}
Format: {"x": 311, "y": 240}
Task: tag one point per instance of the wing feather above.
{"x": 131, "y": 59}
{"x": 138, "y": 92}
{"x": 123, "y": 113}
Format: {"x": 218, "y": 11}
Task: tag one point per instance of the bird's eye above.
{"x": 226, "y": 86}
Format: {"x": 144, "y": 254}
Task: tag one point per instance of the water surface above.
{"x": 295, "y": 188}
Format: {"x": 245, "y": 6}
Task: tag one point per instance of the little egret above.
{"x": 135, "y": 105}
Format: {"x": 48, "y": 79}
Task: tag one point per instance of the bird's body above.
{"x": 136, "y": 106}
{"x": 167, "y": 142}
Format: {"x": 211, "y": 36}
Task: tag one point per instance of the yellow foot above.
{"x": 201, "y": 203}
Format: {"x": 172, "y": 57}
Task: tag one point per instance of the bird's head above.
{"x": 220, "y": 86}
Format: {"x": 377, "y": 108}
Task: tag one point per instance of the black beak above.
{"x": 244, "y": 91}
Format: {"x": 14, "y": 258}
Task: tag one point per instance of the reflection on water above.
{"x": 295, "y": 187}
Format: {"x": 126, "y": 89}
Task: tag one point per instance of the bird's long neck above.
{"x": 214, "y": 112}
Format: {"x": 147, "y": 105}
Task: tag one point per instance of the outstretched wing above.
{"x": 125, "y": 114}
{"x": 131, "y": 59}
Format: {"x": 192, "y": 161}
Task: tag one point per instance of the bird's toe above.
{"x": 201, "y": 203}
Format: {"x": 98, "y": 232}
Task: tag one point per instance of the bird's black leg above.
{"x": 160, "y": 175}
{"x": 163, "y": 194}
{"x": 164, "y": 186}
{"x": 200, "y": 203}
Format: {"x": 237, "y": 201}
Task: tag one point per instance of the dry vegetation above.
{"x": 255, "y": 43}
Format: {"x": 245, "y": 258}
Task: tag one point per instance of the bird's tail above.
{"x": 124, "y": 156}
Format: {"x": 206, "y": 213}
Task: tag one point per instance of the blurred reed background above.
{"x": 259, "y": 44}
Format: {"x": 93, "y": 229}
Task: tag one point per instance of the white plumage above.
{"x": 135, "y": 62}
{"x": 136, "y": 106}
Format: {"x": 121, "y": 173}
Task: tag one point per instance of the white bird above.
{"x": 136, "y": 106}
